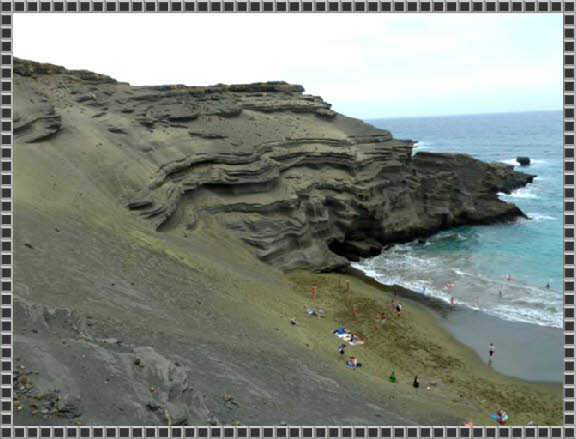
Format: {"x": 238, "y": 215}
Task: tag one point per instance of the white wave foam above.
{"x": 520, "y": 302}
{"x": 541, "y": 217}
{"x": 526, "y": 193}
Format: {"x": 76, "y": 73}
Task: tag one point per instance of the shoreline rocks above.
{"x": 523, "y": 161}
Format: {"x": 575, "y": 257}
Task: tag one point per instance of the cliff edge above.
{"x": 304, "y": 186}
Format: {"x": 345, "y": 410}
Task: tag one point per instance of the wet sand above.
{"x": 523, "y": 350}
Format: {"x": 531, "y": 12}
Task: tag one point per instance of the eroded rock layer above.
{"x": 303, "y": 185}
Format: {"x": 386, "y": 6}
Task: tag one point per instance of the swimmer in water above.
{"x": 509, "y": 277}
{"x": 548, "y": 285}
{"x": 500, "y": 292}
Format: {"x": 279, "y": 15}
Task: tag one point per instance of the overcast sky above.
{"x": 366, "y": 65}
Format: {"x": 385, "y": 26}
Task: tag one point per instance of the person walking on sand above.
{"x": 491, "y": 350}
{"x": 452, "y": 302}
{"x": 382, "y": 320}
{"x": 347, "y": 285}
{"x": 341, "y": 350}
{"x": 398, "y": 309}
{"x": 416, "y": 382}
{"x": 313, "y": 292}
{"x": 392, "y": 377}
{"x": 355, "y": 310}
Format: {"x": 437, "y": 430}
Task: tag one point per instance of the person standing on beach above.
{"x": 313, "y": 292}
{"x": 392, "y": 377}
{"x": 341, "y": 350}
{"x": 355, "y": 310}
{"x": 491, "y": 350}
{"x": 398, "y": 309}
{"x": 383, "y": 319}
{"x": 416, "y": 382}
{"x": 347, "y": 285}
{"x": 452, "y": 302}
{"x": 293, "y": 321}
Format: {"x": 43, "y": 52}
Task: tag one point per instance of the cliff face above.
{"x": 304, "y": 186}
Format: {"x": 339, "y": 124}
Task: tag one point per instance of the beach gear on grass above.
{"x": 340, "y": 333}
{"x": 349, "y": 363}
{"x": 315, "y": 312}
{"x": 356, "y": 342}
{"x": 501, "y": 420}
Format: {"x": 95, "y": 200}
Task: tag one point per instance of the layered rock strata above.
{"x": 306, "y": 187}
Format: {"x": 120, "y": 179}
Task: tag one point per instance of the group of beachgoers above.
{"x": 380, "y": 321}
{"x": 451, "y": 284}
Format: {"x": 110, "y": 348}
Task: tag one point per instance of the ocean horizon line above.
{"x": 458, "y": 115}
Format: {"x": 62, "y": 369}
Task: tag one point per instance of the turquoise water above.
{"x": 478, "y": 259}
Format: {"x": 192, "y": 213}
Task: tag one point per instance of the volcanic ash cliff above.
{"x": 306, "y": 187}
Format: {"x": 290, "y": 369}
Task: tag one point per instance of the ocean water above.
{"x": 472, "y": 263}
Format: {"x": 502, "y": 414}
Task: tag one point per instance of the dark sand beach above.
{"x": 416, "y": 343}
{"x": 523, "y": 350}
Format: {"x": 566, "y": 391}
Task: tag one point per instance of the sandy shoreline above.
{"x": 417, "y": 343}
{"x": 524, "y": 350}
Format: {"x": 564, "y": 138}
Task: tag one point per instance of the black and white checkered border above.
{"x": 288, "y": 6}
{"x": 291, "y": 432}
{"x": 569, "y": 218}
{"x": 279, "y": 6}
